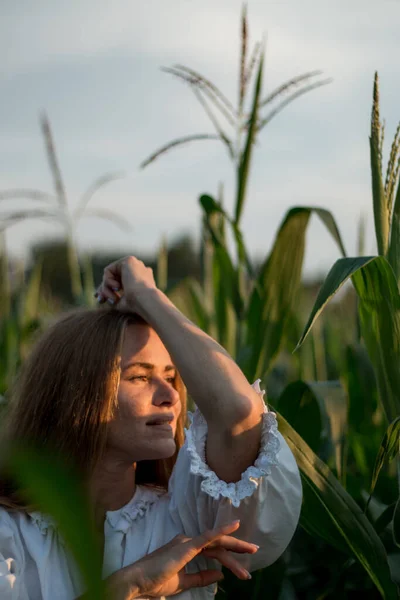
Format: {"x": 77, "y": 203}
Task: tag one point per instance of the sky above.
{"x": 93, "y": 67}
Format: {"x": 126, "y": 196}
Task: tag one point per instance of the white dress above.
{"x": 34, "y": 564}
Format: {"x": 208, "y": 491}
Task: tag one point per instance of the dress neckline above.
{"x": 120, "y": 519}
{"x": 143, "y": 497}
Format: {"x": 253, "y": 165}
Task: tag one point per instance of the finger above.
{"x": 200, "y": 579}
{"x": 109, "y": 295}
{"x": 230, "y": 543}
{"x": 227, "y": 560}
{"x": 111, "y": 278}
{"x": 103, "y": 295}
{"x": 212, "y": 535}
{"x": 183, "y": 551}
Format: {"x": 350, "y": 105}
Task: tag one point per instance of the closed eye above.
{"x": 139, "y": 378}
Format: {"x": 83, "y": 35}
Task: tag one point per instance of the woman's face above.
{"x": 148, "y": 404}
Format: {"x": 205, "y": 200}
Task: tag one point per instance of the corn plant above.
{"x": 251, "y": 314}
{"x": 238, "y": 127}
{"x": 335, "y": 428}
{"x": 376, "y": 282}
{"x": 56, "y": 207}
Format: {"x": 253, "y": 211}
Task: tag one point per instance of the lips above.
{"x": 161, "y": 420}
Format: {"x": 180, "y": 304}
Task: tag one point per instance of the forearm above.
{"x": 212, "y": 378}
{"x": 119, "y": 586}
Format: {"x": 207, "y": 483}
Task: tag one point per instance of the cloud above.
{"x": 95, "y": 68}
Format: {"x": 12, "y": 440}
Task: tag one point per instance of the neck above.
{"x": 111, "y": 486}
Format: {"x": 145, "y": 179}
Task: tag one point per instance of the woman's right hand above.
{"x": 162, "y": 572}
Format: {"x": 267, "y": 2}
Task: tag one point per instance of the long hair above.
{"x": 66, "y": 395}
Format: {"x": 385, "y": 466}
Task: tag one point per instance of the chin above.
{"x": 163, "y": 450}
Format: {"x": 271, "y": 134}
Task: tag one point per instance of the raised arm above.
{"x": 232, "y": 409}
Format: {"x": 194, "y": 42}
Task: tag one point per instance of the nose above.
{"x": 165, "y": 394}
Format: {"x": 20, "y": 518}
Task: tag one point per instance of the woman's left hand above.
{"x": 124, "y": 283}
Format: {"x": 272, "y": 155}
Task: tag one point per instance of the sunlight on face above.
{"x": 148, "y": 404}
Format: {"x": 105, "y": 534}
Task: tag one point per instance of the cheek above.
{"x": 128, "y": 403}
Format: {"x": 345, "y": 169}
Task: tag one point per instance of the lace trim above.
{"x": 136, "y": 508}
{"x": 120, "y": 519}
{"x": 196, "y": 437}
{"x": 43, "y": 522}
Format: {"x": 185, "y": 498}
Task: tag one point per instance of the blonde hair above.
{"x": 67, "y": 394}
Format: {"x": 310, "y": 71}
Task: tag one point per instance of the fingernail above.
{"x": 237, "y": 521}
{"x": 255, "y": 546}
{"x": 116, "y": 289}
{"x": 99, "y": 298}
{"x": 246, "y": 574}
{"x": 110, "y": 301}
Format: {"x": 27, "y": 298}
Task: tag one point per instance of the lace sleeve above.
{"x": 196, "y": 437}
{"x": 266, "y": 499}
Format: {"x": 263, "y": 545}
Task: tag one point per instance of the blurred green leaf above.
{"x": 162, "y": 265}
{"x": 88, "y": 280}
{"x": 30, "y": 296}
{"x": 48, "y": 483}
{"x": 396, "y": 524}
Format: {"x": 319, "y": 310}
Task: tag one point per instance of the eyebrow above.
{"x": 147, "y": 366}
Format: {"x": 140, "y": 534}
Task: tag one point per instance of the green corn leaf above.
{"x": 394, "y": 246}
{"x": 390, "y": 446}
{"x": 198, "y": 304}
{"x": 5, "y": 283}
{"x": 210, "y": 205}
{"x": 227, "y": 278}
{"x": 302, "y": 409}
{"x": 88, "y": 280}
{"x": 318, "y": 413}
{"x": 396, "y": 524}
{"x": 360, "y": 382}
{"x": 162, "y": 265}
{"x": 223, "y": 308}
{"x": 330, "y": 512}
{"x": 277, "y": 288}
{"x": 379, "y": 309}
{"x": 55, "y": 490}
{"x": 245, "y": 159}
{"x": 193, "y": 307}
{"x": 384, "y": 519}
{"x": 334, "y": 399}
{"x": 31, "y": 296}
{"x": 341, "y": 271}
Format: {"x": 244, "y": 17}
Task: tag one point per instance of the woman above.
{"x": 104, "y": 388}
